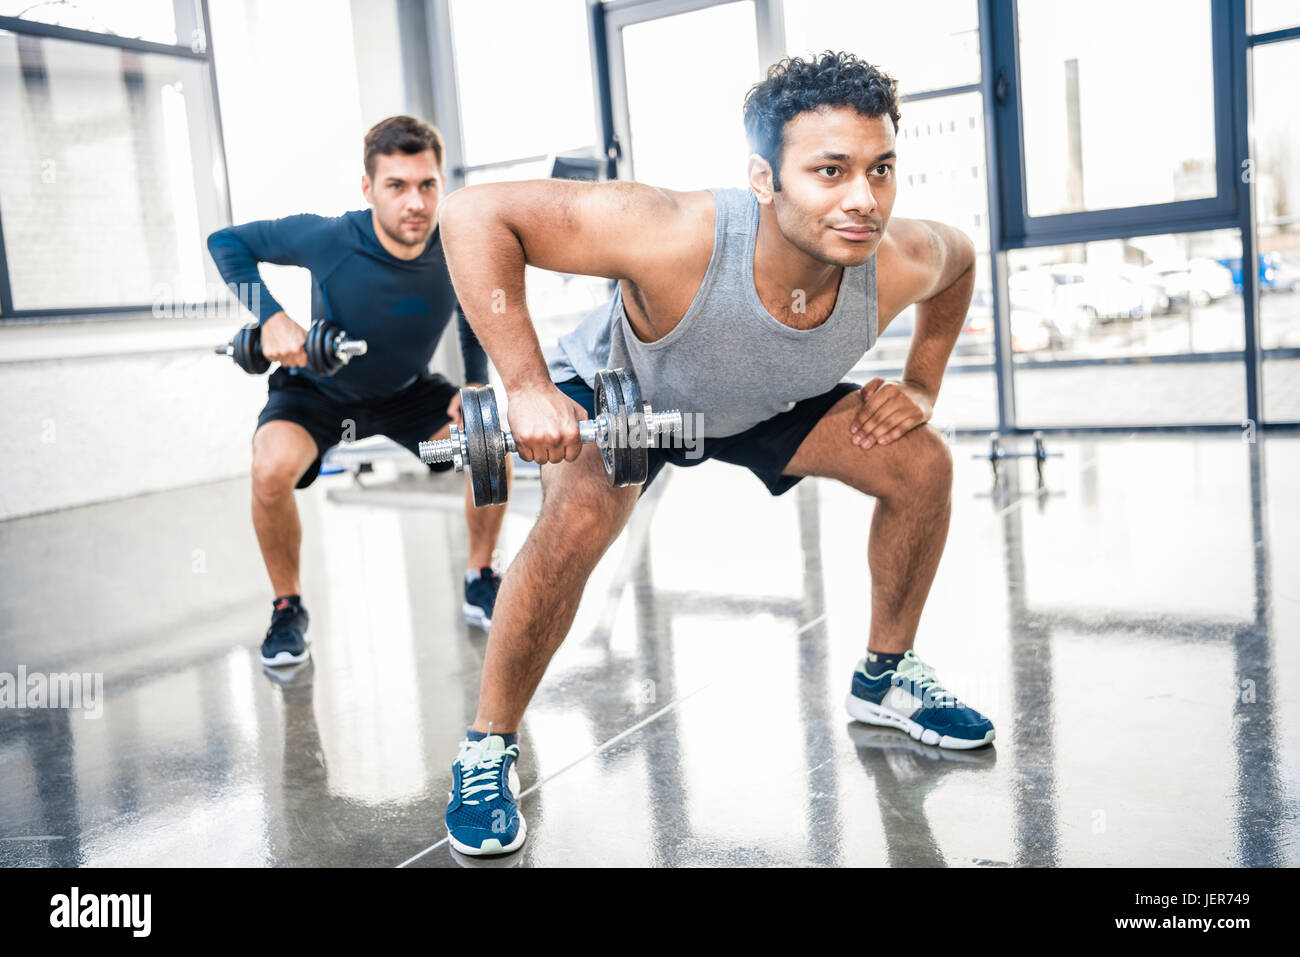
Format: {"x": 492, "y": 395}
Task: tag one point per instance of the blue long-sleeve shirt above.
{"x": 400, "y": 307}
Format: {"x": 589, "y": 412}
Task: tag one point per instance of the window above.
{"x": 928, "y": 46}
{"x": 160, "y": 21}
{"x": 525, "y": 91}
{"x": 110, "y": 173}
{"x": 1146, "y": 298}
{"x": 1276, "y": 151}
{"x": 1268, "y": 15}
{"x": 1116, "y": 116}
{"x": 687, "y": 123}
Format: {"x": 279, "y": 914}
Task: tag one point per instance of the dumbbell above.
{"x": 997, "y": 453}
{"x": 328, "y": 349}
{"x": 622, "y": 430}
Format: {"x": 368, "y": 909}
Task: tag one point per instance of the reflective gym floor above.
{"x": 1133, "y": 632}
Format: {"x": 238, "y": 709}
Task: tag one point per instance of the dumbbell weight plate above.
{"x": 636, "y": 446}
{"x": 248, "y": 351}
{"x": 614, "y": 452}
{"x": 479, "y": 477}
{"x": 494, "y": 443}
{"x": 317, "y": 348}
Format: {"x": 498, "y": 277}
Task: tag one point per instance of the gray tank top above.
{"x": 729, "y": 359}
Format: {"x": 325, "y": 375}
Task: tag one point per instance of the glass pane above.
{"x": 1116, "y": 117}
{"x": 1277, "y": 211}
{"x": 526, "y": 90}
{"x": 1266, "y": 15}
{"x": 1146, "y": 297}
{"x": 161, "y": 21}
{"x": 687, "y": 125}
{"x": 928, "y": 46}
{"x": 108, "y": 174}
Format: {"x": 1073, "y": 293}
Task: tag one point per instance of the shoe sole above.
{"x": 492, "y": 845}
{"x": 869, "y": 713}
{"x": 476, "y": 616}
{"x": 284, "y": 658}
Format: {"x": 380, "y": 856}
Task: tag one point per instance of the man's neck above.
{"x": 782, "y": 271}
{"x": 392, "y": 246}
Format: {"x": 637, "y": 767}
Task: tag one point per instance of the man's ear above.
{"x": 760, "y": 178}
{"x": 366, "y": 188}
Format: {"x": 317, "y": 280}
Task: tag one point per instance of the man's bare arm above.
{"x": 932, "y": 265}
{"x": 489, "y": 232}
{"x": 946, "y": 273}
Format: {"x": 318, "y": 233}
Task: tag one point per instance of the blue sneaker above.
{"x": 911, "y": 698}
{"x": 482, "y": 814}
{"x": 286, "y": 639}
{"x": 481, "y": 598}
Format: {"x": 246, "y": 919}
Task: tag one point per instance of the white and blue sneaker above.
{"x": 910, "y": 697}
{"x": 482, "y": 812}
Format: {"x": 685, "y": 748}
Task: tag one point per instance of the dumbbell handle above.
{"x": 344, "y": 347}
{"x": 589, "y": 430}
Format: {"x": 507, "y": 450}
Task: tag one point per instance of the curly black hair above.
{"x": 795, "y": 85}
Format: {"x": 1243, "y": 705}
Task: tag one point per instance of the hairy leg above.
{"x": 580, "y": 518}
{"x": 911, "y": 480}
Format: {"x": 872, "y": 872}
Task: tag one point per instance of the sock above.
{"x": 285, "y": 601}
{"x": 473, "y": 735}
{"x": 878, "y": 662}
{"x": 474, "y": 574}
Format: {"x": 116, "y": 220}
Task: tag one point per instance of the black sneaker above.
{"x": 481, "y": 598}
{"x": 286, "y": 639}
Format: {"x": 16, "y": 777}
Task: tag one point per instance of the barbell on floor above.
{"x": 623, "y": 430}
{"x": 997, "y": 453}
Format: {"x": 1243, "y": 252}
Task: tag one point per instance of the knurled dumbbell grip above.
{"x": 589, "y": 431}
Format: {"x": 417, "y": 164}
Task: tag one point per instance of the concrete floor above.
{"x": 1134, "y": 634}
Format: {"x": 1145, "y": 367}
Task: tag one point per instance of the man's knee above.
{"x": 275, "y": 474}
{"x": 917, "y": 464}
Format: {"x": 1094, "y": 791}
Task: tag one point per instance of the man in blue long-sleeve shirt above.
{"x": 380, "y": 275}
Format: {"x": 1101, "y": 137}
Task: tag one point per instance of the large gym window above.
{"x": 111, "y": 172}
{"x": 1110, "y": 119}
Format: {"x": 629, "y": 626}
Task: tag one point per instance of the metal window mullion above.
{"x": 6, "y": 293}
{"x": 1242, "y": 111}
{"x": 1274, "y": 36}
{"x": 446, "y": 89}
{"x": 51, "y": 32}
{"x": 219, "y": 131}
{"x": 1004, "y": 181}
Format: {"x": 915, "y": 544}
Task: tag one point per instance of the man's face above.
{"x": 837, "y": 184}
{"x": 405, "y": 192}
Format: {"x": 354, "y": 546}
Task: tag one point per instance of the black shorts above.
{"x": 765, "y": 449}
{"x": 408, "y": 417}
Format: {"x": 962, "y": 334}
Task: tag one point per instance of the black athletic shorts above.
{"x": 408, "y": 418}
{"x": 765, "y": 449}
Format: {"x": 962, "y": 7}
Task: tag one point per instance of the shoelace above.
{"x": 925, "y": 681}
{"x": 475, "y": 757}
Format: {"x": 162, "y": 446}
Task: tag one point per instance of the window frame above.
{"x": 19, "y": 26}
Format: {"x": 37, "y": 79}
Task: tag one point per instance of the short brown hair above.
{"x": 401, "y": 134}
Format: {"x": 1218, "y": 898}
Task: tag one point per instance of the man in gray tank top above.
{"x": 745, "y": 309}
